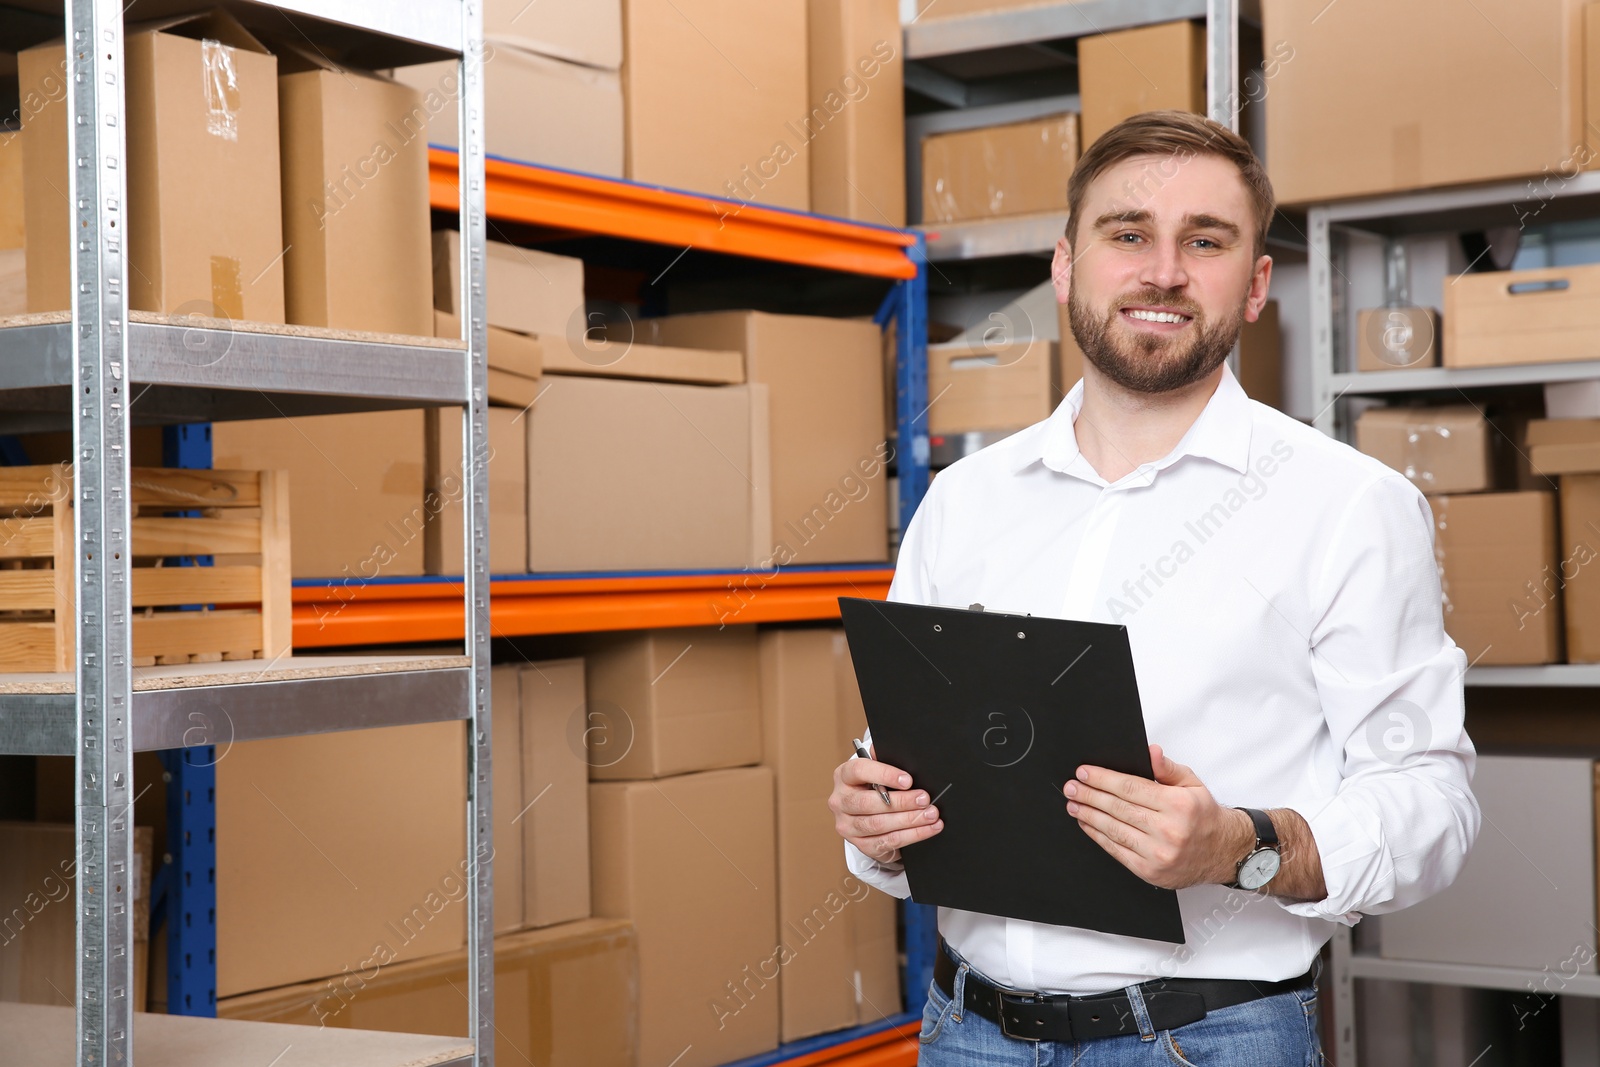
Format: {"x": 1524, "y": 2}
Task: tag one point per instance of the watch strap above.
{"x": 1266, "y": 833}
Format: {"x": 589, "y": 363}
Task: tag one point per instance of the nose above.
{"x": 1162, "y": 267}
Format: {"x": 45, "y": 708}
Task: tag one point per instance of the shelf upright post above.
{"x": 911, "y": 381}
{"x": 1324, "y": 356}
{"x": 101, "y": 515}
{"x": 1222, "y": 81}
{"x": 475, "y": 479}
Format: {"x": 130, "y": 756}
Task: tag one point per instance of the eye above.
{"x": 1127, "y": 238}
{"x": 1205, "y": 244}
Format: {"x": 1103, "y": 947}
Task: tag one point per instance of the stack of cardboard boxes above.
{"x": 1022, "y": 168}
{"x": 675, "y": 93}
{"x": 710, "y": 757}
{"x": 1497, "y": 549}
{"x": 342, "y": 881}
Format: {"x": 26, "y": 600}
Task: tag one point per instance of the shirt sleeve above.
{"x": 1390, "y": 680}
{"x": 912, "y": 584}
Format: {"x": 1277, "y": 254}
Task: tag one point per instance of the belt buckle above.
{"x": 1000, "y": 996}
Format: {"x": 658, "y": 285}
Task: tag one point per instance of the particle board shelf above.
{"x": 43, "y": 1036}
{"x": 334, "y": 613}
{"x": 982, "y": 238}
{"x": 1425, "y": 379}
{"x": 198, "y": 704}
{"x": 611, "y": 207}
{"x": 200, "y": 370}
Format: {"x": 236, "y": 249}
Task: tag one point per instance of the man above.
{"x": 1283, "y": 606}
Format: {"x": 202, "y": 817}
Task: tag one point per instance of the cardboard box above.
{"x": 1500, "y": 576}
{"x": 648, "y": 362}
{"x": 204, "y": 218}
{"x": 355, "y": 199}
{"x": 555, "y": 774}
{"x": 840, "y": 931}
{"x": 577, "y": 124}
{"x": 444, "y": 488}
{"x": 712, "y": 100}
{"x": 638, "y": 475}
{"x": 1563, "y": 446}
{"x": 342, "y": 849}
{"x": 13, "y": 282}
{"x": 828, "y": 437}
{"x": 515, "y": 361}
{"x": 689, "y": 859}
{"x": 1395, "y": 338}
{"x": 1550, "y": 315}
{"x": 1580, "y": 565}
{"x": 1439, "y": 449}
{"x": 1003, "y": 386}
{"x": 1149, "y": 68}
{"x": 579, "y": 31}
{"x": 1417, "y": 117}
{"x": 541, "y": 795}
{"x": 38, "y": 929}
{"x": 664, "y": 702}
{"x": 11, "y": 211}
{"x": 1016, "y": 169}
{"x": 356, "y": 503}
{"x": 566, "y": 996}
{"x": 857, "y": 118}
{"x": 934, "y": 10}
{"x": 528, "y": 291}
{"x": 1261, "y": 357}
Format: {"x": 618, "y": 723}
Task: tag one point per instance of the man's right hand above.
{"x": 862, "y": 819}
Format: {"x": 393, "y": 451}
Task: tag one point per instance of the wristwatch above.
{"x": 1261, "y": 865}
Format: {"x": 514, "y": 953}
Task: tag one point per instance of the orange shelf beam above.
{"x": 523, "y": 193}
{"x": 405, "y": 613}
{"x": 894, "y": 1047}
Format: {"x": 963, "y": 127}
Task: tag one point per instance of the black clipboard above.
{"x": 991, "y": 714}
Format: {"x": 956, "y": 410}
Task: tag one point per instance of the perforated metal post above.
{"x": 475, "y": 447}
{"x": 104, "y": 757}
{"x": 911, "y": 381}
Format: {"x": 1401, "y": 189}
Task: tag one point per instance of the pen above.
{"x": 861, "y": 750}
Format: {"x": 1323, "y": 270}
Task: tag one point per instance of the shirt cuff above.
{"x": 888, "y": 877}
{"x": 1350, "y": 852}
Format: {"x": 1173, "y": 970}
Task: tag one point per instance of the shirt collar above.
{"x": 1220, "y": 434}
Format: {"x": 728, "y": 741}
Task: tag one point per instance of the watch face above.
{"x": 1258, "y": 868}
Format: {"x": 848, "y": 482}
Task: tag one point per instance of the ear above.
{"x": 1061, "y": 270}
{"x": 1260, "y": 281}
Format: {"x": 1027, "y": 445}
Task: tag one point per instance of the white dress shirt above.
{"x": 1283, "y": 606}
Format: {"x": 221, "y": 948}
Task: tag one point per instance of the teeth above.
{"x": 1157, "y": 316}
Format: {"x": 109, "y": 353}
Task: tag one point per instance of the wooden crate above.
{"x": 240, "y": 518}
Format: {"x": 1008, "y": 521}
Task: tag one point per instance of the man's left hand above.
{"x": 1170, "y": 832}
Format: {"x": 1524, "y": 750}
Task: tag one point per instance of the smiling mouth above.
{"x": 1175, "y": 318}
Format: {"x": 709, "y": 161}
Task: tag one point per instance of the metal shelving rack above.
{"x": 1355, "y": 954}
{"x": 81, "y": 370}
{"x": 1029, "y": 28}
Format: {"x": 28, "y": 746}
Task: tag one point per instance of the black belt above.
{"x": 1170, "y": 1002}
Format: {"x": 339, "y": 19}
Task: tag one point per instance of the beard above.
{"x": 1150, "y": 363}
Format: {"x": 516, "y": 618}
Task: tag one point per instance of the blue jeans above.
{"x": 1277, "y": 1031}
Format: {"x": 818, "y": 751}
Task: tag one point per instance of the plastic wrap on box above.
{"x": 1440, "y": 450}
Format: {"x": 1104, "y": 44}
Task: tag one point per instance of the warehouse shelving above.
{"x": 1451, "y": 210}
{"x": 333, "y": 613}
{"x": 86, "y": 370}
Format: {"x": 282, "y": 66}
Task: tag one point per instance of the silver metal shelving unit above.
{"x": 988, "y": 41}
{"x": 1441, "y": 211}
{"x": 86, "y": 371}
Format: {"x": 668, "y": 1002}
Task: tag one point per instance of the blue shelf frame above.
{"x": 184, "y": 889}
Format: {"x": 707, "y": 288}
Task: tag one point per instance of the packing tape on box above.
{"x": 1422, "y": 436}
{"x": 227, "y": 288}
{"x": 1441, "y": 522}
{"x": 222, "y": 89}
